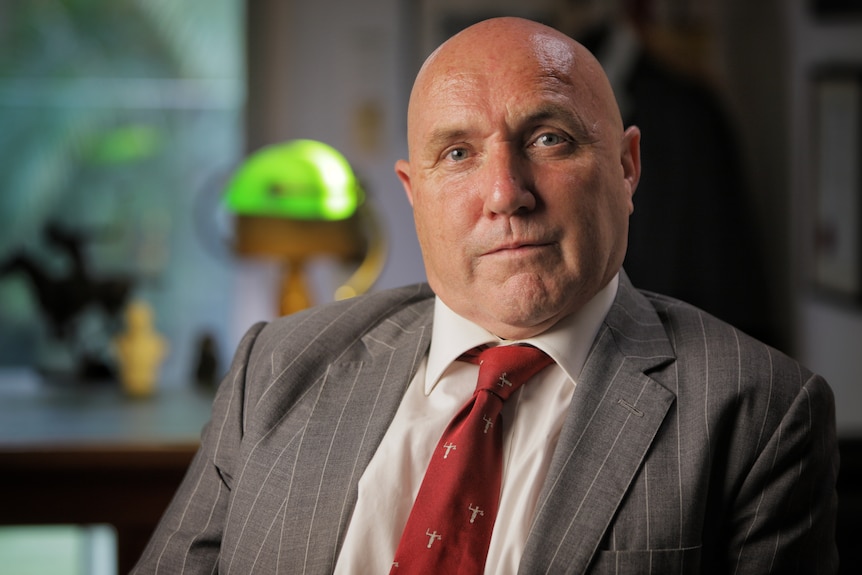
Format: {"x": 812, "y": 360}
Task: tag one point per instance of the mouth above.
{"x": 518, "y": 248}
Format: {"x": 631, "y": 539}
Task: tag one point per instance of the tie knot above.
{"x": 504, "y": 368}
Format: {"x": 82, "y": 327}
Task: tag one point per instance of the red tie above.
{"x": 449, "y": 528}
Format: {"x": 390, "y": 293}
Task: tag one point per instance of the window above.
{"x": 120, "y": 120}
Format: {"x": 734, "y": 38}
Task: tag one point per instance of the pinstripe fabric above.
{"x": 689, "y": 448}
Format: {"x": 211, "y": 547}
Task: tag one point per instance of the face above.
{"x": 520, "y": 176}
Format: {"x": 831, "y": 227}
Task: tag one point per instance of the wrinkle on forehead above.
{"x": 453, "y": 84}
{"x": 474, "y": 58}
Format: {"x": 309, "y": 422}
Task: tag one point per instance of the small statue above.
{"x": 140, "y": 350}
{"x": 65, "y": 298}
{"x": 207, "y": 368}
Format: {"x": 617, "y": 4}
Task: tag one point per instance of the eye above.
{"x": 457, "y": 154}
{"x": 549, "y": 139}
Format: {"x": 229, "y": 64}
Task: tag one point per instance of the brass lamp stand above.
{"x": 293, "y": 242}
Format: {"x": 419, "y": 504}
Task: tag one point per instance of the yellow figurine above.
{"x": 140, "y": 350}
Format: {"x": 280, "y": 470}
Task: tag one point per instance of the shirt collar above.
{"x": 567, "y": 342}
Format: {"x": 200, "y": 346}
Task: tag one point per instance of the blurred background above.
{"x": 123, "y": 122}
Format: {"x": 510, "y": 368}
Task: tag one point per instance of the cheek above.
{"x": 444, "y": 212}
{"x": 430, "y": 223}
{"x": 440, "y": 230}
{"x": 594, "y": 217}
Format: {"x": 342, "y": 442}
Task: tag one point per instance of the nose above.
{"x": 507, "y": 186}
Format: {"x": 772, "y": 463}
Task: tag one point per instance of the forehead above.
{"x": 503, "y": 79}
{"x": 501, "y": 60}
{"x": 501, "y": 83}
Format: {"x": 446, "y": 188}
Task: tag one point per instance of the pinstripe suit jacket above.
{"x": 688, "y": 448}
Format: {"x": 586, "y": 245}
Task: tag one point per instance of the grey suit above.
{"x": 688, "y": 448}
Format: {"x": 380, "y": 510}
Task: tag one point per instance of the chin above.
{"x": 517, "y": 321}
{"x": 511, "y": 331}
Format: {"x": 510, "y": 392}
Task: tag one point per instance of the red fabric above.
{"x": 450, "y": 525}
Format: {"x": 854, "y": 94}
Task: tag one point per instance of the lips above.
{"x": 516, "y": 247}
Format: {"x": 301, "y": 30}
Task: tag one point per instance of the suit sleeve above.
{"x": 784, "y": 517}
{"x": 188, "y": 537}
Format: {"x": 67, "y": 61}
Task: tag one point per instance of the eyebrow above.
{"x": 441, "y": 137}
{"x": 444, "y": 136}
{"x": 553, "y": 111}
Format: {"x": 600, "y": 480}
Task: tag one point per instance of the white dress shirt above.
{"x": 532, "y": 419}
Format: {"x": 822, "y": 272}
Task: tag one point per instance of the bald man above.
{"x": 660, "y": 440}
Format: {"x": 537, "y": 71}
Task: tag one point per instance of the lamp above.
{"x": 300, "y": 199}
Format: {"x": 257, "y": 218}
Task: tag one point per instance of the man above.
{"x": 661, "y": 440}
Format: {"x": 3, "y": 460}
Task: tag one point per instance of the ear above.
{"x": 402, "y": 170}
{"x": 630, "y": 158}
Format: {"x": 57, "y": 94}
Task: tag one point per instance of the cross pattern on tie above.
{"x": 450, "y": 525}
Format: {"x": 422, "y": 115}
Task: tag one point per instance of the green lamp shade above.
{"x": 300, "y": 179}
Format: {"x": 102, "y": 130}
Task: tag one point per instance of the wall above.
{"x": 767, "y": 52}
{"x": 336, "y": 71}
{"x": 828, "y": 331}
{"x": 751, "y": 46}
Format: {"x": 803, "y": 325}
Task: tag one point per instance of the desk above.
{"x": 85, "y": 454}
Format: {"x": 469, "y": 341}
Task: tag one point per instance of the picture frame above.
{"x": 837, "y": 182}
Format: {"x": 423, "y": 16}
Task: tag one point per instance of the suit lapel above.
{"x": 616, "y": 412}
{"x": 374, "y": 375}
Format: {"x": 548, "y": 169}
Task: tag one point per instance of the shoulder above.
{"x": 347, "y": 317}
{"x": 729, "y": 384}
{"x": 289, "y": 354}
{"x": 329, "y": 329}
{"x": 711, "y": 351}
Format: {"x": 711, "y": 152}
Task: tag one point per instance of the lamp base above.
{"x": 299, "y": 239}
{"x": 295, "y": 241}
{"x": 294, "y": 294}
